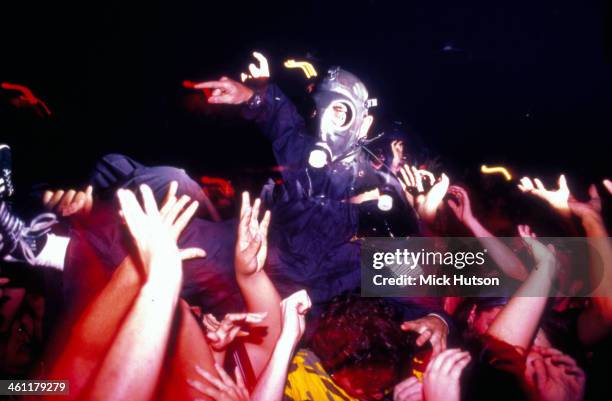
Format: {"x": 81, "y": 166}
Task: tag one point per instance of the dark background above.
{"x": 520, "y": 83}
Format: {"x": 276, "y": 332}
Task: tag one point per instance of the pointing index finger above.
{"x": 212, "y": 85}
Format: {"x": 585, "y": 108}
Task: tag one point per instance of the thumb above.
{"x": 192, "y": 253}
{"x": 562, "y": 182}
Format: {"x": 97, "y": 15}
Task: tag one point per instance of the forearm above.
{"x": 93, "y": 333}
{"x": 271, "y": 384}
{"x": 135, "y": 358}
{"x": 260, "y": 295}
{"x": 524, "y": 307}
{"x": 503, "y": 256}
{"x": 595, "y": 322}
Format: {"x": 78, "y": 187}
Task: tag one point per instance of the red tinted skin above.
{"x": 480, "y": 321}
{"x": 365, "y": 383}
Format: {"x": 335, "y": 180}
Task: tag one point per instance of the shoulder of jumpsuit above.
{"x": 270, "y": 105}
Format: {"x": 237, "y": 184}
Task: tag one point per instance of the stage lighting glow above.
{"x": 305, "y": 66}
{"x": 257, "y": 71}
{"x": 496, "y": 170}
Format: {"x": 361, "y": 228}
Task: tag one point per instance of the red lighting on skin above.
{"x": 26, "y": 95}
{"x": 191, "y": 85}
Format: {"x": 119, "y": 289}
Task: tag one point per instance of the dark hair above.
{"x": 360, "y": 332}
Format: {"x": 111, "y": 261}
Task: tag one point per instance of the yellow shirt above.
{"x": 308, "y": 381}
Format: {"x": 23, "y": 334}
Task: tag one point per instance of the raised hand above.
{"x": 226, "y": 91}
{"x": 408, "y": 390}
{"x": 430, "y": 328}
{"x": 224, "y": 389}
{"x": 540, "y": 252}
{"x": 411, "y": 178}
{"x": 460, "y": 205}
{"x": 221, "y": 334}
{"x": 426, "y": 203}
{"x": 441, "y": 378}
{"x": 77, "y": 204}
{"x": 608, "y": 184}
{"x": 434, "y": 197}
{"x": 294, "y": 309}
{"x": 155, "y": 235}
{"x": 557, "y": 198}
{"x": 252, "y": 242}
{"x": 590, "y": 208}
{"x": 397, "y": 148}
{"x": 26, "y": 97}
{"x": 170, "y": 211}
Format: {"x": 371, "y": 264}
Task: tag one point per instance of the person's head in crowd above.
{"x": 360, "y": 343}
{"x": 21, "y": 314}
{"x": 477, "y": 314}
{"x": 342, "y": 114}
{"x": 480, "y": 314}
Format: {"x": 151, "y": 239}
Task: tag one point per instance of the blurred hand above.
{"x": 441, "y": 378}
{"x": 221, "y": 334}
{"x": 433, "y": 199}
{"x": 408, "y": 390}
{"x": 590, "y": 208}
{"x": 172, "y": 213}
{"x": 226, "y": 91}
{"x": 77, "y": 204}
{"x": 553, "y": 376}
{"x": 608, "y": 184}
{"x": 252, "y": 243}
{"x": 460, "y": 205}
{"x": 397, "y": 148}
{"x": 155, "y": 234}
{"x": 540, "y": 252}
{"x": 223, "y": 389}
{"x": 558, "y": 198}
{"x": 26, "y": 97}
{"x": 293, "y": 310}
{"x": 425, "y": 203}
{"x": 431, "y": 328}
{"x": 411, "y": 179}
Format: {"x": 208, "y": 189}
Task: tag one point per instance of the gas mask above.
{"x": 342, "y": 106}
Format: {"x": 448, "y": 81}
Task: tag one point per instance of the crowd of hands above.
{"x": 132, "y": 355}
{"x": 155, "y": 230}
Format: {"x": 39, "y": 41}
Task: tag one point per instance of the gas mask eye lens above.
{"x": 340, "y": 115}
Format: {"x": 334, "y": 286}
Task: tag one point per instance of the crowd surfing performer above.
{"x": 314, "y": 221}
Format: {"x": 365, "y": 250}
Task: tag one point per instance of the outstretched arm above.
{"x": 595, "y": 322}
{"x": 258, "y": 291}
{"x": 132, "y": 369}
{"x": 272, "y": 111}
{"x": 529, "y": 302}
{"x": 93, "y": 333}
{"x": 271, "y": 384}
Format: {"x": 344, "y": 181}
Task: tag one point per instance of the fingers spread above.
{"x": 150, "y": 206}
